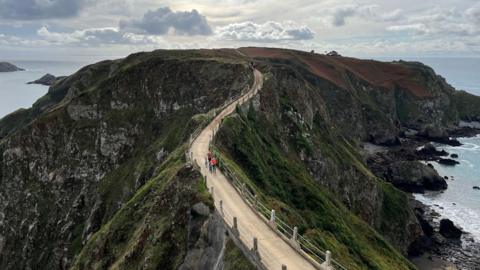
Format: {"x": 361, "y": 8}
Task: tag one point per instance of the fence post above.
{"x": 294, "y": 239}
{"x": 221, "y": 207}
{"x": 328, "y": 258}
{"x": 255, "y": 245}
{"x": 235, "y": 230}
{"x": 211, "y": 190}
{"x": 244, "y": 189}
{"x": 284, "y": 267}
{"x": 255, "y": 201}
{"x": 205, "y": 180}
{"x": 272, "y": 222}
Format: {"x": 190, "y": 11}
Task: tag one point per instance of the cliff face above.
{"x": 81, "y": 152}
{"x": 93, "y": 174}
{"x": 307, "y": 125}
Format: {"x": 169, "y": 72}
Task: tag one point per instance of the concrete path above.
{"x": 274, "y": 251}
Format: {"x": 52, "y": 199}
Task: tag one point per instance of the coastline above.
{"x": 431, "y": 251}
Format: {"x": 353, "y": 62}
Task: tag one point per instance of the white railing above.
{"x": 289, "y": 233}
{"x": 318, "y": 258}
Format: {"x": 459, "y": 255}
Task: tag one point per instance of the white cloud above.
{"x": 266, "y": 32}
{"x": 96, "y": 36}
{"x": 418, "y": 28}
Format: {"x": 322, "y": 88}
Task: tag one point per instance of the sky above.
{"x": 104, "y": 29}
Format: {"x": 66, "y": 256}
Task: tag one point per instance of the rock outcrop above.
{"x": 416, "y": 177}
{"x": 7, "y": 67}
{"x": 449, "y": 230}
{"x": 47, "y": 79}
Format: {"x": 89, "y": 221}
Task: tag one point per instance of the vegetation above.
{"x": 253, "y": 148}
{"x": 468, "y": 106}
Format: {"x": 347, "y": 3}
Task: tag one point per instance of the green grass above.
{"x": 234, "y": 258}
{"x": 252, "y": 150}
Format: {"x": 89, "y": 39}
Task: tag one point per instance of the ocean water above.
{"x": 459, "y": 202}
{"x": 15, "y": 93}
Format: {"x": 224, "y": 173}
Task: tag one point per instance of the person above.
{"x": 214, "y": 165}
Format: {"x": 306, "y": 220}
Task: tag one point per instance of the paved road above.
{"x": 274, "y": 251}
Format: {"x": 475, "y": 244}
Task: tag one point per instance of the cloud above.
{"x": 473, "y": 13}
{"x": 96, "y": 36}
{"x": 337, "y": 16}
{"x": 266, "y": 32}
{"x": 418, "y": 28}
{"x": 39, "y": 9}
{"x": 443, "y": 22}
{"x": 165, "y": 21}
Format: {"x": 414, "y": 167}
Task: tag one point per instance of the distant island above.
{"x": 47, "y": 79}
{"x": 7, "y": 67}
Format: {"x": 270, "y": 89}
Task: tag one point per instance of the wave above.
{"x": 466, "y": 218}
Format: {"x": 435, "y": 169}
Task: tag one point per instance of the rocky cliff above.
{"x": 301, "y": 137}
{"x": 93, "y": 175}
{"x": 72, "y": 163}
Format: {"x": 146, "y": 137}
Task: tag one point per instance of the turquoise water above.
{"x": 460, "y": 202}
{"x": 15, "y": 93}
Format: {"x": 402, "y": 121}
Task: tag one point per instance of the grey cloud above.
{"x": 164, "y": 21}
{"x": 339, "y": 15}
{"x": 39, "y": 9}
{"x": 266, "y": 32}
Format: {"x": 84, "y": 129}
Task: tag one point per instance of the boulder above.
{"x": 414, "y": 176}
{"x": 449, "y": 230}
{"x": 448, "y": 161}
{"x": 429, "y": 150}
{"x": 476, "y": 187}
{"x": 454, "y": 156}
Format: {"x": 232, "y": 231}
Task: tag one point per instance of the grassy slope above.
{"x": 468, "y": 106}
{"x": 142, "y": 231}
{"x": 285, "y": 183}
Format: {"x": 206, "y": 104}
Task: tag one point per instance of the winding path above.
{"x": 274, "y": 251}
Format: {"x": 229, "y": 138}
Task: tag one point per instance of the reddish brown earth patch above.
{"x": 389, "y": 76}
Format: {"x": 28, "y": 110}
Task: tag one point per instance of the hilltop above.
{"x": 94, "y": 174}
{"x": 7, "y": 67}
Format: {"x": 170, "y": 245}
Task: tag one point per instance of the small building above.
{"x": 333, "y": 53}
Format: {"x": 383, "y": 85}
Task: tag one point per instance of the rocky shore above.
{"x": 406, "y": 165}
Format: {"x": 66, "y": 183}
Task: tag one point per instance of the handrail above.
{"x": 305, "y": 247}
{"x": 281, "y": 227}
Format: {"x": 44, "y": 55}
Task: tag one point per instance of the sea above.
{"x": 15, "y": 93}
{"x": 460, "y": 202}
